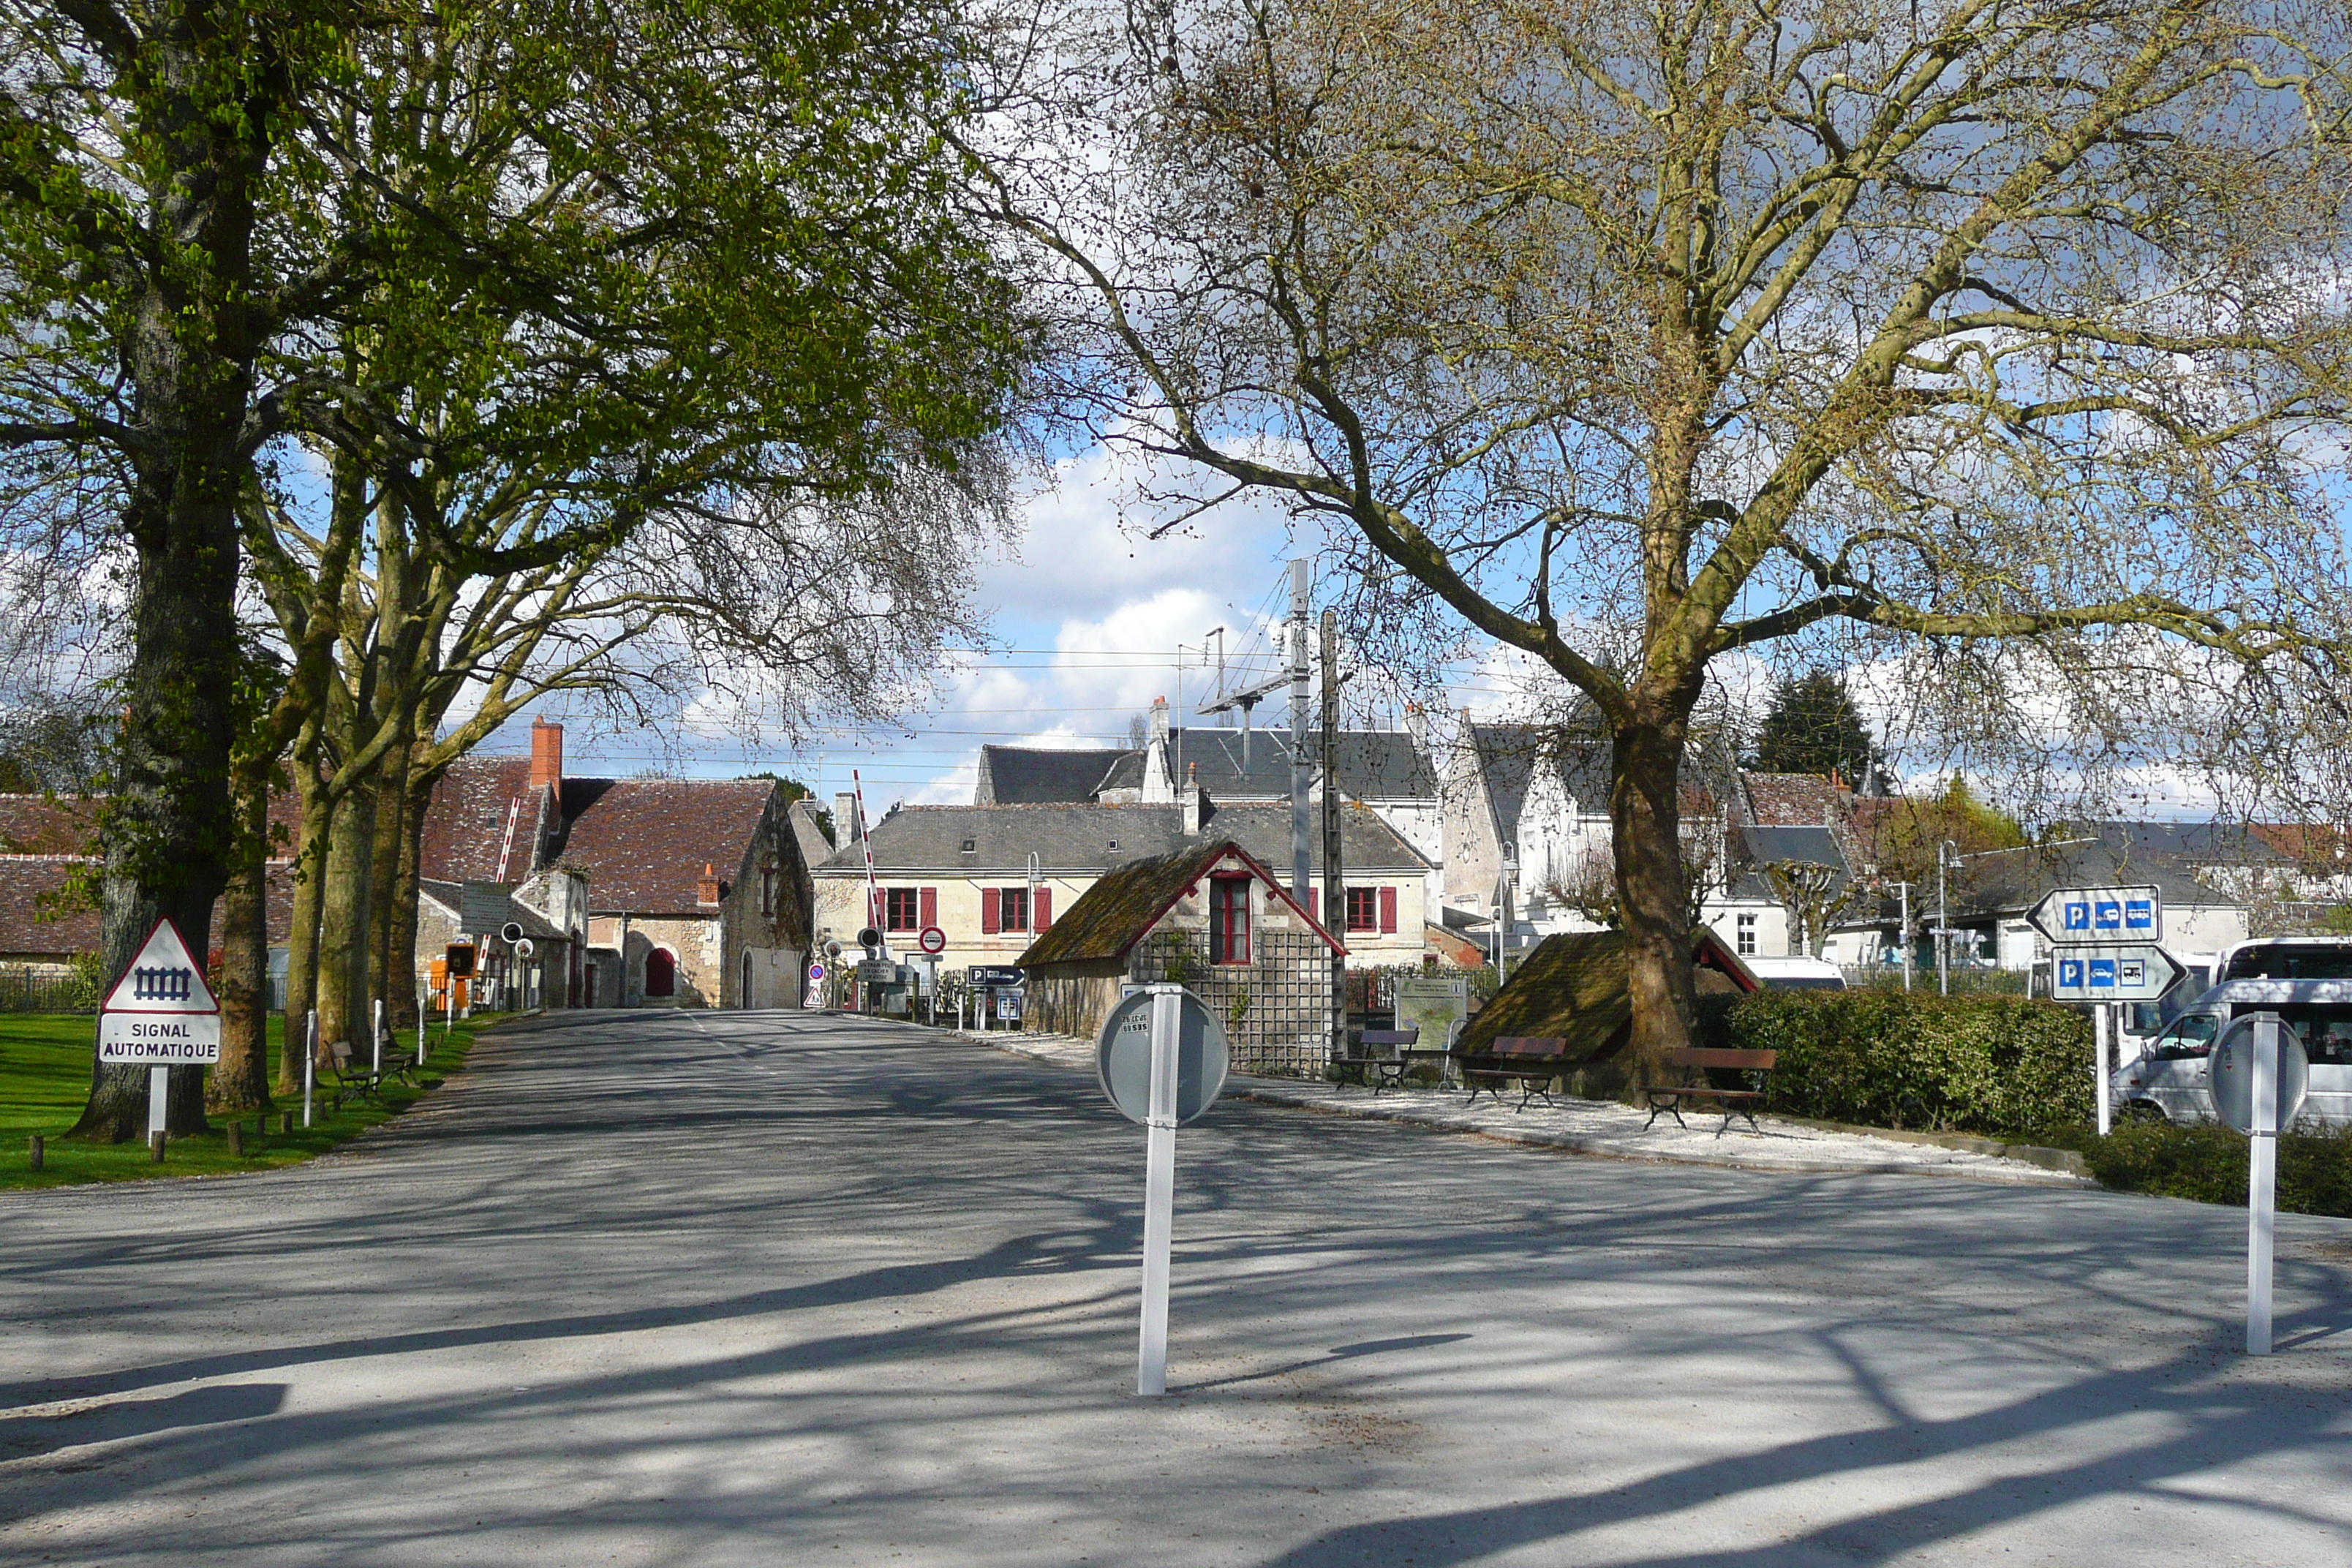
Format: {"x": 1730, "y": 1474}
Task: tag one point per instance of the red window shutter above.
{"x": 1314, "y": 902}
{"x": 992, "y": 910}
{"x": 929, "y": 899}
{"x": 1388, "y": 909}
{"x": 1045, "y": 910}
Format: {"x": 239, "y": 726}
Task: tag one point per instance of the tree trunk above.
{"x": 241, "y": 1080}
{"x": 401, "y": 966}
{"x": 343, "y": 922}
{"x": 1646, "y": 828}
{"x": 302, "y": 934}
{"x": 384, "y": 878}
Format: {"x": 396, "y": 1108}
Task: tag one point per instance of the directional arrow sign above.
{"x": 2100, "y": 916}
{"x": 2125, "y": 972}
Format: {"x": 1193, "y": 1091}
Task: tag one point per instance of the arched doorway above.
{"x": 743, "y": 996}
{"x": 661, "y": 973}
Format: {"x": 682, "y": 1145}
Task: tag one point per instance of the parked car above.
{"x": 1796, "y": 974}
{"x": 2169, "y": 1082}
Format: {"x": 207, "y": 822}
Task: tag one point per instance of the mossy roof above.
{"x": 1578, "y": 987}
{"x": 1116, "y": 912}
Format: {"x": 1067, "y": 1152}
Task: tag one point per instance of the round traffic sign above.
{"x": 1123, "y": 1058}
{"x": 816, "y": 971}
{"x": 2230, "y": 1076}
{"x": 932, "y": 941}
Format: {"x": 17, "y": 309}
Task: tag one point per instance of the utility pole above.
{"x": 1902, "y": 936}
{"x": 1943, "y": 920}
{"x": 1301, "y": 763}
{"x": 1335, "y": 884}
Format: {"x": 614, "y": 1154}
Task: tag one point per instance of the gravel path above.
{"x": 680, "y": 1288}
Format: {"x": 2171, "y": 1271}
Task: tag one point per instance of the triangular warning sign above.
{"x": 163, "y": 978}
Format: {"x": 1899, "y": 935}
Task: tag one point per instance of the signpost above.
{"x": 1160, "y": 1059}
{"x": 162, "y": 1014}
{"x": 932, "y": 940}
{"x": 2259, "y": 1074}
{"x": 2124, "y": 972}
{"x": 2076, "y": 915}
{"x": 2106, "y": 949}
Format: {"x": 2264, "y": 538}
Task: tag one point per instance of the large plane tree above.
{"x": 1640, "y": 336}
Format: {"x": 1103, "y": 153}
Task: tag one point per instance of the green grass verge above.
{"x": 45, "y": 1079}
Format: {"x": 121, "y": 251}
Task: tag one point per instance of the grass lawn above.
{"x": 45, "y": 1079}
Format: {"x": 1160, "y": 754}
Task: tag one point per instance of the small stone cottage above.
{"x": 1211, "y": 917}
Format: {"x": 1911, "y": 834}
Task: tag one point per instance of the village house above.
{"x": 968, "y": 869}
{"x": 1210, "y": 917}
{"x": 697, "y": 894}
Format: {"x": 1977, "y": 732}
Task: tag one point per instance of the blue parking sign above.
{"x": 2070, "y": 974}
{"x": 2139, "y": 915}
{"x": 2102, "y": 975}
{"x": 2107, "y": 914}
{"x": 2078, "y": 917}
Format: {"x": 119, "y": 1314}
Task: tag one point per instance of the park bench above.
{"x": 1531, "y": 1061}
{"x": 1378, "y": 1058}
{"x": 1697, "y": 1061}
{"x": 348, "y": 1076}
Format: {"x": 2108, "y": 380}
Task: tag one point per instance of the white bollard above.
{"x": 2261, "y": 1187}
{"x": 1158, "y": 1190}
{"x": 159, "y": 1101}
{"x": 310, "y": 1062}
{"x": 2102, "y": 1031}
{"x": 378, "y": 1062}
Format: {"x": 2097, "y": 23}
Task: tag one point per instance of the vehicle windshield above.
{"x": 2291, "y": 961}
{"x": 2191, "y": 1035}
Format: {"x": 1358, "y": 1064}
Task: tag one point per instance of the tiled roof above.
{"x": 1118, "y": 911}
{"x": 1087, "y": 841}
{"x": 39, "y": 825}
{"x": 1795, "y": 800}
{"x": 1032, "y": 775}
{"x": 26, "y": 880}
{"x": 643, "y": 842}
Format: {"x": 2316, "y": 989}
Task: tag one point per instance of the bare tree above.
{"x": 1637, "y": 337}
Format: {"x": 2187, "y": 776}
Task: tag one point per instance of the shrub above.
{"x": 2001, "y": 1066}
{"x": 2208, "y": 1163}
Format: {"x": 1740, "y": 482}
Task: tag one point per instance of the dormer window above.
{"x": 1114, "y": 843}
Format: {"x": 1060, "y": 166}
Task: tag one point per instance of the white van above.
{"x": 2168, "y": 1079}
{"x": 1796, "y": 973}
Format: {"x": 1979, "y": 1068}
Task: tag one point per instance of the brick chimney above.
{"x": 547, "y": 757}
{"x": 1193, "y": 798}
{"x": 706, "y": 889}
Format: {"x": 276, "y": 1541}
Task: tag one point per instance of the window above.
{"x": 1229, "y": 915}
{"x": 1747, "y": 936}
{"x": 767, "y": 891}
{"x": 970, "y": 845}
{"x": 1012, "y": 908}
{"x": 900, "y": 910}
{"x": 1363, "y": 908}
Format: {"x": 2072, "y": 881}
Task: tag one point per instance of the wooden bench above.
{"x": 1701, "y": 1059}
{"x": 1378, "y": 1056}
{"x": 347, "y": 1076}
{"x": 1531, "y": 1061}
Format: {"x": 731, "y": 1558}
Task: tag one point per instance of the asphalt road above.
{"x": 768, "y": 1289}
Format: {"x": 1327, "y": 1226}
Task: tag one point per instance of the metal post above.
{"x": 1943, "y": 924}
{"x": 1159, "y": 1189}
{"x": 1903, "y": 937}
{"x": 310, "y": 1062}
{"x": 1301, "y": 875}
{"x": 159, "y": 1102}
{"x": 2103, "y": 1031}
{"x": 1334, "y": 881}
{"x": 378, "y": 1062}
{"x": 2262, "y": 1186}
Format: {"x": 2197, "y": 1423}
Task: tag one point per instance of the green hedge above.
{"x": 2001, "y": 1066}
{"x": 2208, "y": 1163}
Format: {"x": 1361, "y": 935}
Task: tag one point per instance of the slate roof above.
{"x": 451, "y": 895}
{"x": 38, "y": 824}
{"x": 1817, "y": 846}
{"x": 1508, "y": 754}
{"x": 1079, "y": 840}
{"x": 2011, "y": 881}
{"x": 1374, "y": 764}
{"x": 1794, "y": 800}
{"x": 1109, "y": 917}
{"x": 643, "y": 842}
{"x": 1033, "y": 776}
